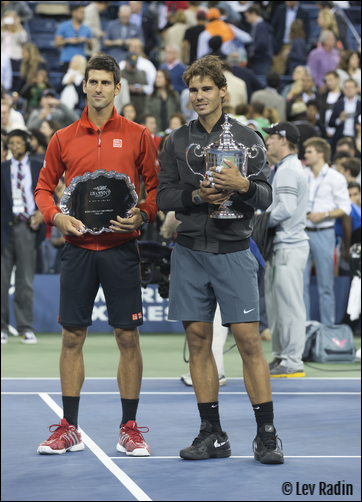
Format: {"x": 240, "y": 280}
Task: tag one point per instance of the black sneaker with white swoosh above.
{"x": 208, "y": 444}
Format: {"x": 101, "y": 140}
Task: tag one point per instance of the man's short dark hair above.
{"x": 39, "y": 136}
{"x": 353, "y": 165}
{"x": 332, "y": 72}
{"x": 254, "y": 9}
{"x": 206, "y": 67}
{"x": 313, "y": 102}
{"x": 354, "y": 184}
{"x": 258, "y": 107}
{"x": 141, "y": 119}
{"x": 346, "y": 141}
{"x": 341, "y": 155}
{"x": 273, "y": 80}
{"x": 106, "y": 63}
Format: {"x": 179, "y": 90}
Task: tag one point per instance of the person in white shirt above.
{"x": 10, "y": 118}
{"x": 284, "y": 274}
{"x": 136, "y": 45}
{"x": 328, "y": 200}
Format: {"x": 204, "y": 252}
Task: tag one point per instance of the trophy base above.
{"x": 226, "y": 214}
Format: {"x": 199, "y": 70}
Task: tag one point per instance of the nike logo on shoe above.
{"x": 247, "y": 311}
{"x": 217, "y": 444}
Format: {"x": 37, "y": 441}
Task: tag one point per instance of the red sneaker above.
{"x": 64, "y": 438}
{"x": 131, "y": 440}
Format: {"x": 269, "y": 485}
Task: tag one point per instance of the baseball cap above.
{"x": 48, "y": 92}
{"x": 285, "y": 129}
{"x": 132, "y": 57}
{"x": 213, "y": 14}
{"x": 200, "y": 15}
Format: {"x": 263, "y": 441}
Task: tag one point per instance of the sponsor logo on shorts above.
{"x": 139, "y": 315}
{"x": 117, "y": 143}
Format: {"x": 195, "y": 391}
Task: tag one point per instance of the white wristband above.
{"x": 56, "y": 214}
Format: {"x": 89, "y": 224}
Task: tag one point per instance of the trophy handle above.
{"x": 197, "y": 146}
{"x": 249, "y": 155}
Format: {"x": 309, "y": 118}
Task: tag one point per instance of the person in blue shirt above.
{"x": 71, "y": 37}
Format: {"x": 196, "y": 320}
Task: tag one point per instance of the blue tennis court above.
{"x": 318, "y": 421}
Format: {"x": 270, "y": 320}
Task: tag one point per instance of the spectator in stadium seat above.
{"x": 327, "y": 21}
{"x": 271, "y": 114}
{"x": 22, "y": 9}
{"x": 174, "y": 66}
{"x": 22, "y": 230}
{"x": 10, "y": 118}
{"x": 232, "y": 36}
{"x": 323, "y": 59}
{"x": 136, "y": 81}
{"x": 71, "y": 87}
{"x": 345, "y": 113}
{"x": 6, "y": 72}
{"x": 129, "y": 112}
{"x": 328, "y": 100}
{"x": 13, "y": 36}
{"x": 238, "y": 61}
{"x": 175, "y": 34}
{"x": 92, "y": 19}
{"x": 349, "y": 67}
{"x": 341, "y": 23}
{"x": 189, "y": 44}
{"x": 270, "y": 97}
{"x": 48, "y": 128}
{"x": 261, "y": 48}
{"x": 236, "y": 87}
{"x": 39, "y": 144}
{"x": 281, "y": 22}
{"x": 350, "y": 168}
{"x": 149, "y": 121}
{"x": 295, "y": 87}
{"x": 215, "y": 44}
{"x": 72, "y": 35}
{"x": 313, "y": 116}
{"x": 123, "y": 98}
{"x": 177, "y": 120}
{"x": 120, "y": 32}
{"x": 51, "y": 108}
{"x": 163, "y": 101}
{"x": 32, "y": 91}
{"x": 257, "y": 114}
{"x": 297, "y": 56}
{"x": 136, "y": 45}
{"x": 30, "y": 64}
{"x": 144, "y": 20}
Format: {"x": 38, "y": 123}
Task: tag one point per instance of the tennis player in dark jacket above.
{"x": 212, "y": 262}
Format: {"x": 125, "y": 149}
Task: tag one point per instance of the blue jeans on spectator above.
{"x": 322, "y": 245}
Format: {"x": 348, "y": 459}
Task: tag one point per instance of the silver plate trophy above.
{"x": 96, "y": 198}
{"x": 226, "y": 148}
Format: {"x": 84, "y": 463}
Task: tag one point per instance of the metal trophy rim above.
{"x": 92, "y": 176}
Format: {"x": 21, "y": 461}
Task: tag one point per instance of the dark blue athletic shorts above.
{"x": 117, "y": 269}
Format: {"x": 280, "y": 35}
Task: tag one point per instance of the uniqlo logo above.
{"x": 117, "y": 143}
{"x": 140, "y": 315}
{"x": 134, "y": 317}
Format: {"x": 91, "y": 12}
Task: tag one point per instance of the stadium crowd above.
{"x": 283, "y": 61}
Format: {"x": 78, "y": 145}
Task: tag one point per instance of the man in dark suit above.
{"x": 144, "y": 19}
{"x": 260, "y": 50}
{"x": 282, "y": 20}
{"x": 345, "y": 113}
{"x": 22, "y": 230}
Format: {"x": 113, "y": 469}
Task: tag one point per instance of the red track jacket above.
{"x": 121, "y": 145}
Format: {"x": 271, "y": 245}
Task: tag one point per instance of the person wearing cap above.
{"x": 137, "y": 80}
{"x": 71, "y": 36}
{"x": 51, "y": 108}
{"x": 284, "y": 274}
{"x": 212, "y": 261}
{"x": 328, "y": 200}
{"x": 229, "y": 33}
{"x": 22, "y": 231}
{"x": 136, "y": 45}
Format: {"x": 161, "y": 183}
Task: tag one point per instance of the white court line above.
{"x": 252, "y": 456}
{"x": 191, "y": 393}
{"x": 177, "y": 378}
{"x": 126, "y": 481}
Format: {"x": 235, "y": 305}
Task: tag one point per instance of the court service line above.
{"x": 190, "y": 393}
{"x": 252, "y": 456}
{"x": 126, "y": 481}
